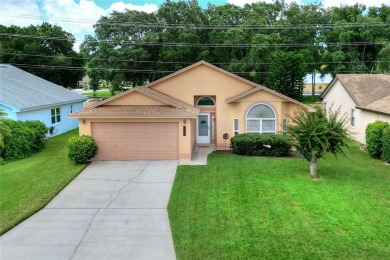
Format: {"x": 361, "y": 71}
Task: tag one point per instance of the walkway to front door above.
{"x": 112, "y": 210}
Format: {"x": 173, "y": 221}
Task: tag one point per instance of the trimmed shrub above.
{"x": 386, "y": 145}
{"x": 374, "y": 133}
{"x": 40, "y": 131}
{"x": 26, "y": 138}
{"x": 261, "y": 145}
{"x": 81, "y": 149}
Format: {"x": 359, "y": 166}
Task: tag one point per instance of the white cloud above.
{"x": 338, "y": 3}
{"x": 120, "y": 7}
{"x": 73, "y": 17}
{"x": 326, "y": 3}
{"x": 79, "y": 18}
{"x": 11, "y": 13}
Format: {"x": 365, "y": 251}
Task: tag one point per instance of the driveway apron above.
{"x": 112, "y": 210}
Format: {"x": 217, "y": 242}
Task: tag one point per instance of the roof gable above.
{"x": 195, "y": 65}
{"x": 151, "y": 93}
{"x": 368, "y": 91}
{"x": 134, "y": 98}
{"x": 25, "y": 91}
{"x": 245, "y": 94}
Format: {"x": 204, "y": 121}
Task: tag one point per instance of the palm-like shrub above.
{"x": 315, "y": 134}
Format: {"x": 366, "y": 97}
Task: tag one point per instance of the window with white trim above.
{"x": 55, "y": 115}
{"x": 261, "y": 119}
{"x": 236, "y": 126}
{"x": 353, "y": 117}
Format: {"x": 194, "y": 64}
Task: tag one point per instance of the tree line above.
{"x": 252, "y": 41}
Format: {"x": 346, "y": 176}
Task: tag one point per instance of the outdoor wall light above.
{"x": 83, "y": 121}
{"x": 184, "y": 121}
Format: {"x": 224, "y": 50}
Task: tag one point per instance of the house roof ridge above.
{"x": 201, "y": 62}
{"x": 250, "y": 91}
{"x": 25, "y": 91}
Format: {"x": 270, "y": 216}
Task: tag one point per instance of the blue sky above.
{"x": 79, "y": 16}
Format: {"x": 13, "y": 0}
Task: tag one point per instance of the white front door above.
{"x": 203, "y": 128}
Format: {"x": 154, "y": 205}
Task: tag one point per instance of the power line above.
{"x": 175, "y": 62}
{"x": 38, "y": 66}
{"x": 200, "y": 45}
{"x": 205, "y": 26}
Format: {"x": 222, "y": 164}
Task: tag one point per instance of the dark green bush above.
{"x": 81, "y": 149}
{"x": 40, "y": 131}
{"x": 386, "y": 145}
{"x": 374, "y": 132}
{"x": 257, "y": 145}
{"x": 26, "y": 138}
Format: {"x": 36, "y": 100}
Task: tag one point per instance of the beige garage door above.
{"x": 136, "y": 141}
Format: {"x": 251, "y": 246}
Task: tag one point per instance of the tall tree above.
{"x": 354, "y": 48}
{"x": 287, "y": 73}
{"x": 48, "y": 53}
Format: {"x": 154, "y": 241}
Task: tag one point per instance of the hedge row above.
{"x": 26, "y": 138}
{"x": 386, "y": 145}
{"x": 261, "y": 144}
{"x": 374, "y": 134}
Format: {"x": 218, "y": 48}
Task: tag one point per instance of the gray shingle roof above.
{"x": 368, "y": 91}
{"x": 26, "y": 91}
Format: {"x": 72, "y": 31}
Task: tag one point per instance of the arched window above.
{"x": 205, "y": 101}
{"x": 261, "y": 119}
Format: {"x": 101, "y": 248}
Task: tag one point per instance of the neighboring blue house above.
{"x": 24, "y": 96}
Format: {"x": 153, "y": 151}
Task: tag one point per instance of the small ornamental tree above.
{"x": 315, "y": 134}
{"x": 81, "y": 149}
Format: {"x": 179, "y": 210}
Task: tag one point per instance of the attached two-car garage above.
{"x": 136, "y": 141}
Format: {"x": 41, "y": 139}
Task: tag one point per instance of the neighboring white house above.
{"x": 24, "y": 96}
{"x": 84, "y": 82}
{"x": 365, "y": 98}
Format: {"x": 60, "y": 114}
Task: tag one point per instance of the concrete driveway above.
{"x": 112, "y": 210}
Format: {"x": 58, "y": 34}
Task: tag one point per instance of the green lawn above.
{"x": 268, "y": 208}
{"x": 99, "y": 94}
{"x": 308, "y": 100}
{"x": 28, "y": 185}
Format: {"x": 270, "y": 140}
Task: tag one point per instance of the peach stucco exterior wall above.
{"x": 185, "y": 142}
{"x": 205, "y": 81}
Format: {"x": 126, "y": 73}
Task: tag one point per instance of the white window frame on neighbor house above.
{"x": 261, "y": 120}
{"x": 353, "y": 117}
{"x": 236, "y": 127}
{"x": 55, "y": 115}
{"x": 324, "y": 107}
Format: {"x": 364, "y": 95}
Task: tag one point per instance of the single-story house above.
{"x": 364, "y": 98}
{"x": 197, "y": 105}
{"x": 84, "y": 82}
{"x": 320, "y": 83}
{"x": 24, "y": 96}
